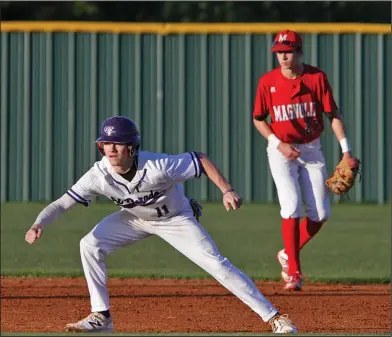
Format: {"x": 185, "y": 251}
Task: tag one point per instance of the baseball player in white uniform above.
{"x": 295, "y": 97}
{"x": 148, "y": 188}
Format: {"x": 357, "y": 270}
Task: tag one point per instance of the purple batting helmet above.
{"x": 120, "y": 130}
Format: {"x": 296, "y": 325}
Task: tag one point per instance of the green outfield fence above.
{"x": 189, "y": 87}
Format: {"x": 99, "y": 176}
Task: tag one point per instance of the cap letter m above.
{"x": 282, "y": 37}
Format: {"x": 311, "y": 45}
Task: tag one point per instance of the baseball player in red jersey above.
{"x": 295, "y": 96}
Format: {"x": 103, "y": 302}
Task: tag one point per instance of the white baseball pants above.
{"x": 185, "y": 234}
{"x": 308, "y": 172}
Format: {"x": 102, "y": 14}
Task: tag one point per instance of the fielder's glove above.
{"x": 196, "y": 207}
{"x": 344, "y": 176}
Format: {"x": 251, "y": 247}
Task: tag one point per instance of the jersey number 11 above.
{"x": 159, "y": 211}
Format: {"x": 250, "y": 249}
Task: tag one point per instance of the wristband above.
{"x": 345, "y": 145}
{"x": 275, "y": 141}
{"x": 227, "y": 191}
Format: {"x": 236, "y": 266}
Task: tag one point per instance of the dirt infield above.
{"x": 46, "y": 305}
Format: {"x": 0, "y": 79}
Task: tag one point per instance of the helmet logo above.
{"x": 109, "y": 130}
{"x": 282, "y": 37}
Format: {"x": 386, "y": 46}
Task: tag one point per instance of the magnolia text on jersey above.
{"x": 148, "y": 199}
{"x": 294, "y": 111}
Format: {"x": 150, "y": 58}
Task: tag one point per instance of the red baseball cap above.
{"x": 287, "y": 40}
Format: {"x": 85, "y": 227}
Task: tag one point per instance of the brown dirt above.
{"x": 137, "y": 305}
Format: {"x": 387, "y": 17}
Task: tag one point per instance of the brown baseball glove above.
{"x": 343, "y": 177}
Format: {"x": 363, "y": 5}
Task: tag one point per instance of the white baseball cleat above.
{"x": 283, "y": 261}
{"x": 281, "y": 324}
{"x": 95, "y": 322}
{"x": 294, "y": 282}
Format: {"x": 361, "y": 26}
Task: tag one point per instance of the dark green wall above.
{"x": 186, "y": 92}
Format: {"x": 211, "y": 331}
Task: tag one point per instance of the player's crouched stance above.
{"x": 148, "y": 188}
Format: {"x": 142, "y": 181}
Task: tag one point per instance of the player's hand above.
{"x": 232, "y": 200}
{"x": 34, "y": 233}
{"x": 289, "y": 151}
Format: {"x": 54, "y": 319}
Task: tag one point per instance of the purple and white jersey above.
{"x": 156, "y": 192}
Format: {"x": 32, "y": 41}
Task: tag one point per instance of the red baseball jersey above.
{"x": 295, "y": 106}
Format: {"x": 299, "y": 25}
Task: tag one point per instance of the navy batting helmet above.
{"x": 119, "y": 130}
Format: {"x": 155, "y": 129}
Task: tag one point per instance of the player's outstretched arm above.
{"x": 231, "y": 199}
{"x": 48, "y": 215}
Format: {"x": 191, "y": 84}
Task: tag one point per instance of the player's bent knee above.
{"x": 89, "y": 242}
{"x": 320, "y": 216}
{"x": 90, "y": 249}
{"x": 290, "y": 212}
{"x": 86, "y": 241}
{"x": 290, "y": 208}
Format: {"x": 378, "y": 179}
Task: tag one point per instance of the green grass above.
{"x": 354, "y": 246}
